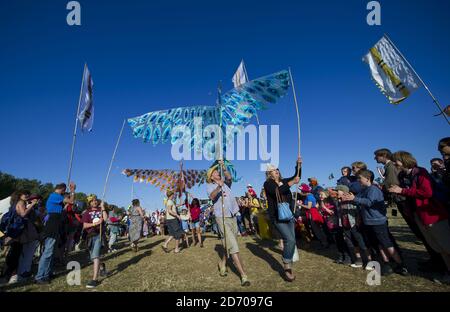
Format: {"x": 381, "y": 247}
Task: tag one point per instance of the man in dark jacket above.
{"x": 384, "y": 156}
{"x": 444, "y": 149}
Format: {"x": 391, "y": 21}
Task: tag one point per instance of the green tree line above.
{"x": 9, "y": 184}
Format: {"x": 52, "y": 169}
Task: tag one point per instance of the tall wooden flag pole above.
{"x": 219, "y": 93}
{"x": 435, "y": 101}
{"x": 75, "y": 128}
{"x": 298, "y": 115}
{"x": 298, "y": 132}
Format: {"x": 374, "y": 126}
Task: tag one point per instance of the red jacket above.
{"x": 428, "y": 209}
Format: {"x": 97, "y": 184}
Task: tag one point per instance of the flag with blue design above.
{"x": 86, "y": 112}
{"x": 235, "y": 107}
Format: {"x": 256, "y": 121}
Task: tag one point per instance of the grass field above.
{"x": 195, "y": 269}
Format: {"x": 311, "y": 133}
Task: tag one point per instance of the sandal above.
{"x": 289, "y": 276}
{"x": 244, "y": 281}
{"x": 165, "y": 249}
{"x": 222, "y": 270}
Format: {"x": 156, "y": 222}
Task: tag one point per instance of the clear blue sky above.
{"x": 151, "y": 55}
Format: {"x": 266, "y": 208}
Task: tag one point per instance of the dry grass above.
{"x": 195, "y": 269}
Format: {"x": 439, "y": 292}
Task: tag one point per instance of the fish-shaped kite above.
{"x": 235, "y": 107}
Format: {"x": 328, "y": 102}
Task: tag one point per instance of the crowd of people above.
{"x": 353, "y": 215}
{"x": 350, "y": 216}
{"x": 47, "y": 232}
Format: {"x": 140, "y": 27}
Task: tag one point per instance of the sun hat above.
{"x": 343, "y": 188}
{"x": 271, "y": 167}
{"x": 210, "y": 172}
{"x": 304, "y": 188}
{"x": 91, "y": 197}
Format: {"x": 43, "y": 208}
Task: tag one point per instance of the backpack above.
{"x": 12, "y": 224}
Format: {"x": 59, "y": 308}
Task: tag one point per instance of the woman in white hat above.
{"x": 274, "y": 185}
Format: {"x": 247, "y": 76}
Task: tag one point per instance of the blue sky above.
{"x": 152, "y": 55}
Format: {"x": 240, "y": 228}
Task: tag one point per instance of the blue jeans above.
{"x": 95, "y": 247}
{"x": 240, "y": 225}
{"x": 45, "y": 262}
{"x": 287, "y": 232}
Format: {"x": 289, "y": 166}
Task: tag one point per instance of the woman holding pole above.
{"x": 278, "y": 191}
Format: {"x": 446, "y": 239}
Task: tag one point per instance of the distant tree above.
{"x": 7, "y": 185}
{"x": 81, "y": 197}
{"x": 45, "y": 190}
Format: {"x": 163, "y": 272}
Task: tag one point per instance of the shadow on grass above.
{"x": 220, "y": 252}
{"x": 151, "y": 245}
{"x": 82, "y": 257}
{"x": 259, "y": 252}
{"x": 123, "y": 265}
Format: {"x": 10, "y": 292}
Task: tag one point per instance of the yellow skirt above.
{"x": 264, "y": 230}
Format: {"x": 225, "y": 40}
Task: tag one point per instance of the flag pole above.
{"x": 298, "y": 115}
{"x": 132, "y": 190}
{"x": 75, "y": 128}
{"x": 107, "y": 176}
{"x": 298, "y": 132}
{"x": 435, "y": 101}
{"x": 219, "y": 93}
{"x": 112, "y": 161}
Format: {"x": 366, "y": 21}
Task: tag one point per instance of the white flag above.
{"x": 240, "y": 77}
{"x": 390, "y": 71}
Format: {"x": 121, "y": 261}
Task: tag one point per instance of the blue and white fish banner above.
{"x": 86, "y": 113}
{"x": 239, "y": 77}
{"x": 391, "y": 72}
{"x": 236, "y": 107}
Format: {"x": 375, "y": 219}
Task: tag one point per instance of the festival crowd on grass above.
{"x": 349, "y": 218}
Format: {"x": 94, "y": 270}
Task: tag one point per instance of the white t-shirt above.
{"x": 170, "y": 206}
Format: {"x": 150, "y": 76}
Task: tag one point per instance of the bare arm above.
{"x": 141, "y": 212}
{"x": 171, "y": 211}
{"x": 309, "y": 206}
{"x": 23, "y": 210}
{"x": 104, "y": 212}
{"x": 214, "y": 194}
{"x": 71, "y": 199}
